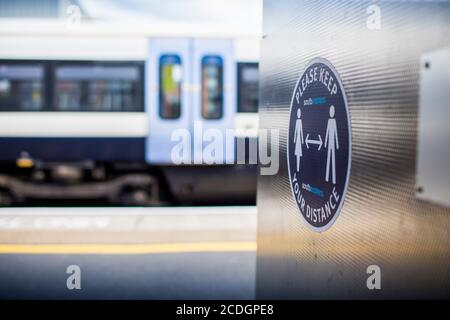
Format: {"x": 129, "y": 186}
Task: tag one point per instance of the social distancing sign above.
{"x": 319, "y": 144}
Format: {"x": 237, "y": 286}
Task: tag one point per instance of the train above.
{"x": 89, "y": 113}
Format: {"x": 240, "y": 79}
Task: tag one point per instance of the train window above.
{"x": 248, "y": 88}
{"x": 170, "y": 79}
{"x": 98, "y": 87}
{"x": 21, "y": 87}
{"x": 212, "y": 87}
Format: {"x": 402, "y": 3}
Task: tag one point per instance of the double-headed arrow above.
{"x": 318, "y": 142}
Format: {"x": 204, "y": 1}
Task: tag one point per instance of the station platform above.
{"x": 128, "y": 253}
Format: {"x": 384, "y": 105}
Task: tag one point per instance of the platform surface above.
{"x": 128, "y": 253}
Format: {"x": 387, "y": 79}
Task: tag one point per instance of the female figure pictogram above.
{"x": 298, "y": 138}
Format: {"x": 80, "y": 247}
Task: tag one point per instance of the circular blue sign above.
{"x": 319, "y": 144}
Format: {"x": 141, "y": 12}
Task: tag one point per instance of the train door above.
{"x": 168, "y": 104}
{"x": 214, "y": 98}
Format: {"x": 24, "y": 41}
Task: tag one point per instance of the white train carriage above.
{"x": 90, "y": 113}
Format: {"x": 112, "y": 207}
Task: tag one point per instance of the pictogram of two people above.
{"x": 331, "y": 143}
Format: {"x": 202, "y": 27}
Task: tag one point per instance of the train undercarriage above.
{"x": 129, "y": 184}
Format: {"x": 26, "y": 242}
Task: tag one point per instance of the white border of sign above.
{"x": 338, "y": 77}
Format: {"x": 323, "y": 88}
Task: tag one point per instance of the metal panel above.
{"x": 382, "y": 222}
{"x": 433, "y": 163}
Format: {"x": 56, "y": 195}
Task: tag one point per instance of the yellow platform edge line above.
{"x": 154, "y": 248}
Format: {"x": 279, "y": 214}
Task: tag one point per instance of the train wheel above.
{"x": 135, "y": 197}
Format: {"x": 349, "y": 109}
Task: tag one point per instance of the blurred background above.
{"x": 91, "y": 93}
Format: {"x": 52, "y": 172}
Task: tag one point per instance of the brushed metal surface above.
{"x": 381, "y": 222}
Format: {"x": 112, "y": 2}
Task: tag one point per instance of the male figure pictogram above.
{"x": 332, "y": 143}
